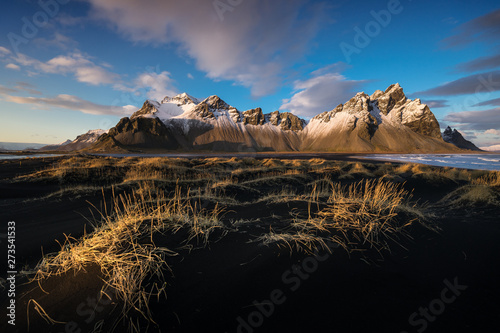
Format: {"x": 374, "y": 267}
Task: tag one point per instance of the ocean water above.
{"x": 19, "y": 157}
{"x": 465, "y": 161}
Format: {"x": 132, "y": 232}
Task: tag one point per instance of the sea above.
{"x": 19, "y": 157}
{"x": 465, "y": 161}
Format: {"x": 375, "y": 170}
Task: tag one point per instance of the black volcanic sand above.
{"x": 445, "y": 281}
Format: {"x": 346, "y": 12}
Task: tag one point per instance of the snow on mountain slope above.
{"x": 384, "y": 121}
{"x": 213, "y": 110}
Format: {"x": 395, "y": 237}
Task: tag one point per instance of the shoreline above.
{"x": 375, "y": 158}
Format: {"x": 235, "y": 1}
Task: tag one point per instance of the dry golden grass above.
{"x": 472, "y": 195}
{"x": 409, "y": 168}
{"x": 123, "y": 247}
{"x": 299, "y": 241}
{"x": 285, "y": 195}
{"x": 490, "y": 179}
{"x": 364, "y": 213}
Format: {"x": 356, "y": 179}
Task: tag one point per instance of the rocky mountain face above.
{"x": 81, "y": 142}
{"x": 454, "y": 137}
{"x": 385, "y": 121}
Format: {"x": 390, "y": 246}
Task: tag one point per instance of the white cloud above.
{"x": 4, "y": 51}
{"x": 491, "y": 148}
{"x": 13, "y": 66}
{"x": 76, "y": 63}
{"x": 254, "y": 44}
{"x": 95, "y": 75}
{"x": 73, "y": 103}
{"x": 323, "y": 92}
{"x": 190, "y": 76}
{"x": 492, "y": 131}
{"x": 157, "y": 85}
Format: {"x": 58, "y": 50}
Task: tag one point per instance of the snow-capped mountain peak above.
{"x": 182, "y": 99}
{"x": 170, "y": 107}
{"x": 98, "y": 132}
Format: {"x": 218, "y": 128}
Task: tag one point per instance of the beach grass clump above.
{"x": 123, "y": 246}
{"x": 78, "y": 169}
{"x": 356, "y": 170}
{"x": 490, "y": 179}
{"x": 365, "y": 213}
{"x": 298, "y": 241}
{"x": 473, "y": 195}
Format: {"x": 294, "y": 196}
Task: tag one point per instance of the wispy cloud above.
{"x": 6, "y": 90}
{"x": 68, "y": 20}
{"x": 476, "y": 120}
{"x": 58, "y": 40}
{"x": 77, "y": 64}
{"x": 73, "y": 103}
{"x": 19, "y": 87}
{"x": 479, "y": 64}
{"x": 491, "y": 102}
{"x": 251, "y": 45}
{"x": 472, "y": 84}
{"x": 322, "y": 92}
{"x": 483, "y": 28}
{"x": 450, "y": 20}
{"x": 436, "y": 103}
{"x": 27, "y": 87}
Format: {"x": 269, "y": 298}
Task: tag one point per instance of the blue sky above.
{"x": 69, "y": 66}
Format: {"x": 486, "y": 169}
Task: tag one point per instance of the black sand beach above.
{"x": 440, "y": 275}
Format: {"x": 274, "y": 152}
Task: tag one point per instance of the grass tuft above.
{"x": 364, "y": 213}
{"x": 123, "y": 247}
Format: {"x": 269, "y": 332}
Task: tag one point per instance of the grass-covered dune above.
{"x": 251, "y": 245}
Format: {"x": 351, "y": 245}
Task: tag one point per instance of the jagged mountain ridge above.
{"x": 212, "y": 108}
{"x": 385, "y": 121}
{"x": 456, "y": 138}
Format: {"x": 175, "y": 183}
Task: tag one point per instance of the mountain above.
{"x": 81, "y": 142}
{"x": 454, "y": 137}
{"x": 386, "y": 121}
{"x": 210, "y": 124}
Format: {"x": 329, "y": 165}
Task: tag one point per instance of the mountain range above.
{"x": 386, "y": 121}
